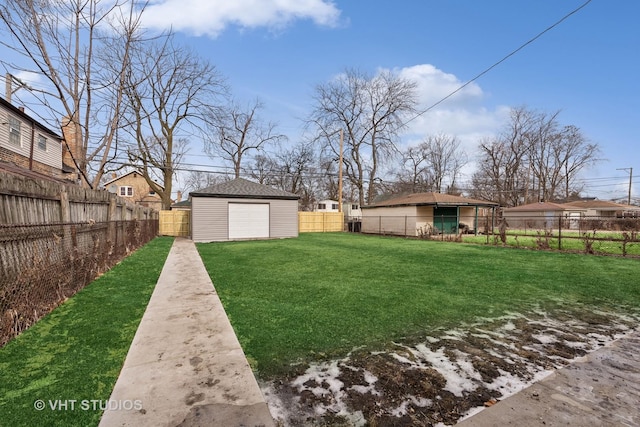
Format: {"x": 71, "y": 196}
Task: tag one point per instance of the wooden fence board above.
{"x": 175, "y": 223}
{"x": 320, "y": 222}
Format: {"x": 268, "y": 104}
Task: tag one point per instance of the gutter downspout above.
{"x": 33, "y": 136}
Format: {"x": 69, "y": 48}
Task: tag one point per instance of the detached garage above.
{"x": 242, "y": 210}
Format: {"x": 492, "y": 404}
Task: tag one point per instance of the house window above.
{"x": 152, "y": 193}
{"x": 334, "y": 206}
{"x": 14, "y": 131}
{"x": 322, "y": 206}
{"x": 354, "y": 207}
{"x": 126, "y": 191}
{"x": 42, "y": 143}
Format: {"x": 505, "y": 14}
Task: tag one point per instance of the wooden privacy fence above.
{"x": 32, "y": 201}
{"x": 55, "y": 238}
{"x": 320, "y": 222}
{"x": 175, "y": 223}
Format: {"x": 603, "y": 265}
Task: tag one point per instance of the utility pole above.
{"x": 9, "y": 90}
{"x": 630, "y": 170}
{"x": 340, "y": 173}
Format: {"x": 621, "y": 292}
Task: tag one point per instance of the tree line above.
{"x": 138, "y": 100}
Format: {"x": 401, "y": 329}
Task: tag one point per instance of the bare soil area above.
{"x": 444, "y": 377}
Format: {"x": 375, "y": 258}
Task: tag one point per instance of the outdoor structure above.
{"x": 326, "y": 206}
{"x": 134, "y": 187}
{"x": 242, "y": 209}
{"x": 352, "y": 211}
{"x": 606, "y": 209}
{"x": 426, "y": 213}
{"x": 184, "y": 205}
{"x": 29, "y": 145}
{"x": 542, "y": 215}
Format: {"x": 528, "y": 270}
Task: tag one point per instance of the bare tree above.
{"x": 197, "y": 180}
{"x": 414, "y": 175}
{"x": 370, "y": 111}
{"x": 503, "y": 170}
{"x": 290, "y": 169}
{"x": 533, "y": 158}
{"x": 169, "y": 92}
{"x": 236, "y": 133}
{"x": 66, "y": 43}
{"x": 573, "y": 155}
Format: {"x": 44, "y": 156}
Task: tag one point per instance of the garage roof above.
{"x": 241, "y": 188}
{"x": 436, "y": 199}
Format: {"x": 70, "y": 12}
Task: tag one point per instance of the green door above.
{"x": 445, "y": 220}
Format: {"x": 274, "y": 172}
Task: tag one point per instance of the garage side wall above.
{"x": 400, "y": 220}
{"x": 284, "y": 218}
{"x": 209, "y": 219}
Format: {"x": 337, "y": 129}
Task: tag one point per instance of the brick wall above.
{"x": 22, "y": 161}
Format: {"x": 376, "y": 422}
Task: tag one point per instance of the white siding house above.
{"x": 242, "y": 210}
{"x": 26, "y": 143}
{"x": 326, "y": 206}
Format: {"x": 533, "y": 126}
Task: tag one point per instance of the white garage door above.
{"x": 248, "y": 220}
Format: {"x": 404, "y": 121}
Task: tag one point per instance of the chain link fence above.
{"x": 42, "y": 265}
{"x": 605, "y": 235}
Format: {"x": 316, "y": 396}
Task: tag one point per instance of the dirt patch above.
{"x": 445, "y": 377}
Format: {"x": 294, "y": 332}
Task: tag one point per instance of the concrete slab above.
{"x": 601, "y": 389}
{"x": 185, "y": 366}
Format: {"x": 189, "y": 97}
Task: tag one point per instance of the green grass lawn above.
{"x": 321, "y": 295}
{"x": 76, "y": 352}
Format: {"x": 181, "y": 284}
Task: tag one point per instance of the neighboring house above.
{"x": 605, "y": 209}
{"x": 28, "y": 144}
{"x": 326, "y": 206}
{"x": 425, "y": 213}
{"x": 184, "y": 205}
{"x": 242, "y": 209}
{"x": 352, "y": 211}
{"x": 134, "y": 187}
{"x": 542, "y": 215}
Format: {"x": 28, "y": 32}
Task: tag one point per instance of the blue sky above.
{"x": 588, "y": 67}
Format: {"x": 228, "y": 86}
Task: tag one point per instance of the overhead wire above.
{"x": 509, "y": 55}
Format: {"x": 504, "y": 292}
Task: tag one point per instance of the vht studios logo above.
{"x": 87, "y": 405}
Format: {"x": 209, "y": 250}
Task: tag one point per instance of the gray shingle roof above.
{"x": 242, "y": 188}
{"x": 430, "y": 199}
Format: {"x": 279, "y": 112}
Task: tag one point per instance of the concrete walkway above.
{"x": 601, "y": 389}
{"x": 185, "y": 366}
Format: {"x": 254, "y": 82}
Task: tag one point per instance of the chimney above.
{"x": 179, "y": 197}
{"x": 114, "y": 175}
{"x": 73, "y": 143}
{"x": 21, "y": 109}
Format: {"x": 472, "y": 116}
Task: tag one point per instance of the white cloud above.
{"x": 462, "y": 115}
{"x": 434, "y": 84}
{"x": 211, "y": 17}
{"x": 31, "y": 79}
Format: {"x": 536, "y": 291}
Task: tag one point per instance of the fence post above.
{"x": 111, "y": 220}
{"x": 559, "y": 231}
{"x": 65, "y": 211}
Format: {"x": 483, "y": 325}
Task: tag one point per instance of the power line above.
{"x": 509, "y": 55}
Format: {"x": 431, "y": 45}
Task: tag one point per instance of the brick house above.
{"x": 27, "y": 144}
{"x": 134, "y": 187}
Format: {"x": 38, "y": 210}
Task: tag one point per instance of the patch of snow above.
{"x": 501, "y": 339}
{"x": 458, "y": 379}
{"x": 545, "y": 338}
